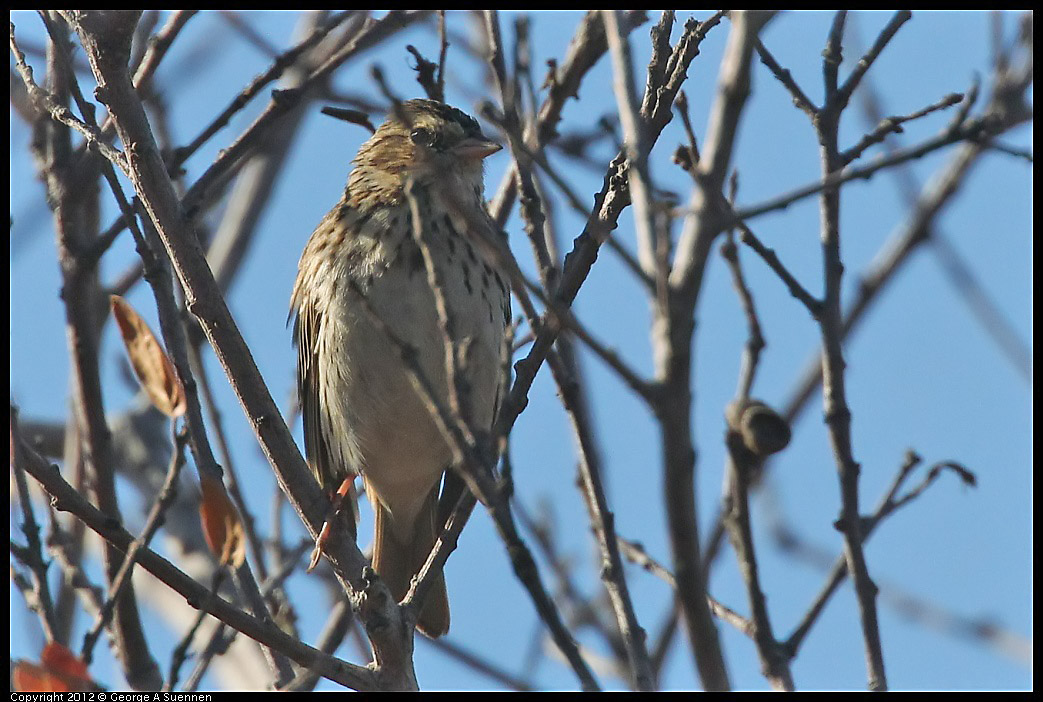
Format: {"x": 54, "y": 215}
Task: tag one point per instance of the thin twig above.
{"x": 893, "y": 125}
{"x": 67, "y": 499}
{"x": 279, "y": 65}
{"x": 180, "y": 653}
{"x": 479, "y": 665}
{"x": 32, "y": 554}
{"x": 888, "y": 505}
{"x": 152, "y": 523}
{"x": 44, "y": 100}
{"x": 443, "y": 42}
{"x": 834, "y": 394}
{"x": 635, "y": 146}
{"x": 754, "y": 339}
{"x": 985, "y": 127}
{"x": 204, "y": 189}
{"x": 636, "y": 553}
{"x": 586, "y": 47}
{"x": 800, "y": 99}
{"x": 158, "y": 46}
{"x": 741, "y": 465}
{"x": 837, "y": 99}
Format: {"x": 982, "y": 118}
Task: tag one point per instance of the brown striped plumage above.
{"x": 362, "y": 415}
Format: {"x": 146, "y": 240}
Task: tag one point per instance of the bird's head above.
{"x": 428, "y": 141}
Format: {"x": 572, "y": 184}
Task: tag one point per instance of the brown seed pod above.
{"x": 762, "y": 429}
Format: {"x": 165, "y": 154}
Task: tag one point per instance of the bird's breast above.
{"x": 397, "y": 444}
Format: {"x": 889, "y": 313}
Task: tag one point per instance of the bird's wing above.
{"x": 307, "y": 335}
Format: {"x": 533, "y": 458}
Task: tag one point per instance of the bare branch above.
{"x": 888, "y": 505}
{"x": 893, "y": 125}
{"x": 39, "y": 592}
{"x": 786, "y": 78}
{"x": 674, "y": 346}
{"x": 155, "y": 519}
{"x": 838, "y": 98}
{"x": 67, "y": 499}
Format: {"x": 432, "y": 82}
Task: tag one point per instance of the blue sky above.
{"x": 922, "y": 372}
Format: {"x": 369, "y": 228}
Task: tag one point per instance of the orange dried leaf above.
{"x": 61, "y": 671}
{"x": 150, "y": 362}
{"x": 60, "y": 659}
{"x": 222, "y": 527}
{"x": 29, "y": 677}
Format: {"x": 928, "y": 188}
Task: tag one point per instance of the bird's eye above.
{"x": 421, "y": 136}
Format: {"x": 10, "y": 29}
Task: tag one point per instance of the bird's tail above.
{"x": 397, "y": 563}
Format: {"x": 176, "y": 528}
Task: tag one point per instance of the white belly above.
{"x": 393, "y": 440}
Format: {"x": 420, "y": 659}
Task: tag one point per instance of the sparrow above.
{"x": 419, "y": 175}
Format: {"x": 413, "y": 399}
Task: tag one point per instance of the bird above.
{"x": 362, "y": 295}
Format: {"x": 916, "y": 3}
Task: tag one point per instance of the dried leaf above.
{"x": 60, "y": 671}
{"x": 60, "y": 659}
{"x": 222, "y": 526}
{"x": 152, "y": 366}
{"x": 29, "y": 677}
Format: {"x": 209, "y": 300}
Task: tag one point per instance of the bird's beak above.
{"x": 476, "y": 148}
